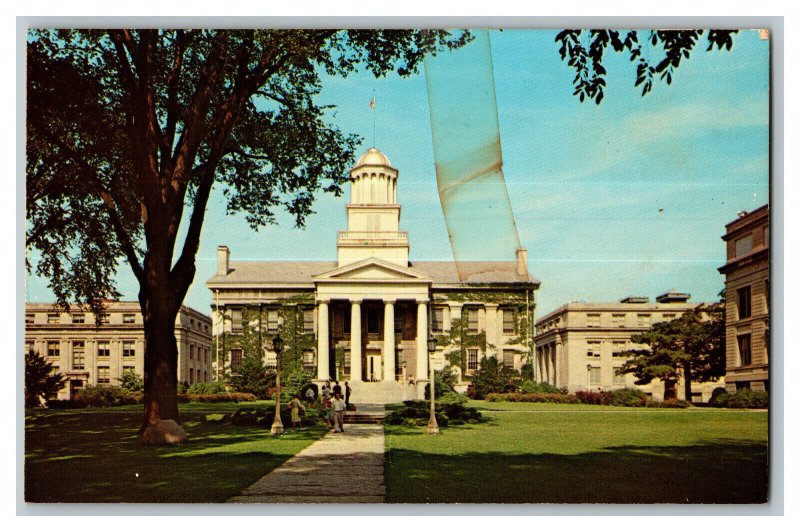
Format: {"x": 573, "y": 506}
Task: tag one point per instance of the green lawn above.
{"x": 93, "y": 455}
{"x": 546, "y": 453}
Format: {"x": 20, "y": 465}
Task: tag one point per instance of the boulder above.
{"x": 165, "y": 431}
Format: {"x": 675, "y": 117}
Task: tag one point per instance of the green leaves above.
{"x": 585, "y": 55}
{"x": 40, "y": 381}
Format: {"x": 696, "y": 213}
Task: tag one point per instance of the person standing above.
{"x": 310, "y": 397}
{"x": 337, "y": 389}
{"x": 338, "y": 413}
{"x": 296, "y": 406}
{"x": 347, "y": 391}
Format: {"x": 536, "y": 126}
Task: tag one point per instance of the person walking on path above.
{"x": 296, "y": 406}
{"x": 338, "y": 413}
{"x": 327, "y": 408}
{"x": 347, "y": 391}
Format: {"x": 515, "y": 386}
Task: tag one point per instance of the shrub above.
{"x": 628, "y": 397}
{"x": 452, "y": 398}
{"x": 669, "y": 403}
{"x": 530, "y": 386}
{"x": 207, "y": 388}
{"x": 295, "y": 382}
{"x": 265, "y": 416}
{"x": 131, "y": 381}
{"x": 594, "y": 398}
{"x": 492, "y": 377}
{"x": 445, "y": 381}
{"x": 234, "y": 397}
{"x": 741, "y": 399}
{"x": 450, "y": 411}
{"x": 533, "y": 398}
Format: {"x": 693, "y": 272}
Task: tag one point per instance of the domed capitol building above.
{"x": 366, "y": 317}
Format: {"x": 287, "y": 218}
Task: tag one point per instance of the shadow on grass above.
{"x": 90, "y": 458}
{"x": 719, "y": 471}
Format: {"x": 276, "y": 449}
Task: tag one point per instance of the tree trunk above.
{"x": 160, "y": 360}
{"x": 687, "y": 382}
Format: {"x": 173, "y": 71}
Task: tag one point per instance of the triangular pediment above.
{"x": 372, "y": 270}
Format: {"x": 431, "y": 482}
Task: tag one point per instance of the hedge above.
{"x": 532, "y": 398}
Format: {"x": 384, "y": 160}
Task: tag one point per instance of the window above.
{"x": 129, "y": 369}
{"x": 618, "y": 320}
{"x": 308, "y": 357}
{"x": 744, "y": 245}
{"x": 617, "y": 348}
{"x": 743, "y": 302}
{"x": 669, "y": 317}
{"x": 191, "y": 352}
{"x": 236, "y": 319}
{"x": 236, "y": 360}
{"x": 78, "y": 355}
{"x": 472, "y": 359}
{"x": 507, "y": 356}
{"x": 619, "y": 377}
{"x": 129, "y": 318}
{"x": 29, "y": 318}
{"x": 53, "y": 318}
{"x": 593, "y": 349}
{"x": 472, "y": 320}
{"x": 28, "y": 347}
{"x": 103, "y": 349}
{"x": 643, "y": 320}
{"x": 271, "y": 359}
{"x": 128, "y": 349}
{"x": 191, "y": 375}
{"x": 508, "y": 321}
{"x": 103, "y": 375}
{"x": 594, "y": 376}
{"x": 593, "y": 320}
{"x": 191, "y": 322}
{"x": 53, "y": 349}
{"x": 105, "y": 319}
{"x": 437, "y": 320}
{"x": 373, "y": 321}
{"x": 745, "y": 356}
{"x": 398, "y": 321}
{"x": 308, "y": 320}
{"x": 272, "y": 321}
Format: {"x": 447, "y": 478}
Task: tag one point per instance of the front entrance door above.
{"x": 374, "y": 368}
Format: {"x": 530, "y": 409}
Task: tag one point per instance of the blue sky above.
{"x": 628, "y": 198}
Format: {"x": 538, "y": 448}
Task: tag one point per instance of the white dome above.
{"x": 373, "y": 157}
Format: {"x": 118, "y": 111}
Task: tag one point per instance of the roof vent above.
{"x": 673, "y": 296}
{"x": 635, "y": 299}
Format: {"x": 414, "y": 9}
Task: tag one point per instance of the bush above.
{"x": 207, "y": 388}
{"x": 450, "y": 411}
{"x": 445, "y": 381}
{"x": 594, "y": 398}
{"x": 628, "y": 397}
{"x": 533, "y": 398}
{"x": 265, "y": 416}
{"x": 492, "y": 377}
{"x": 131, "y": 381}
{"x": 234, "y": 397}
{"x": 741, "y": 399}
{"x": 295, "y": 382}
{"x": 530, "y": 386}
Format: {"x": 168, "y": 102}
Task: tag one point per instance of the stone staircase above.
{"x": 366, "y": 414}
{"x": 379, "y": 393}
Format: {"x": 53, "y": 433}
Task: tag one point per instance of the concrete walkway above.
{"x": 344, "y": 467}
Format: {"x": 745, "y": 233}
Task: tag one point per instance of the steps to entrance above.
{"x": 368, "y": 414}
{"x": 380, "y": 393}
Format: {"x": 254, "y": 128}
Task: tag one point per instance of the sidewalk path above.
{"x": 342, "y": 467}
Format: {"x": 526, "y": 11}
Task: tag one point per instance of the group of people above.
{"x": 332, "y": 401}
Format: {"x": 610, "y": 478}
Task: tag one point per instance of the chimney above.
{"x": 223, "y": 260}
{"x": 522, "y": 262}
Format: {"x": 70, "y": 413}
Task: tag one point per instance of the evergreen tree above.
{"x": 40, "y": 381}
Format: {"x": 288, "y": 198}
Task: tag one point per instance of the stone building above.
{"x": 366, "y": 317}
{"x": 88, "y": 354}
{"x": 579, "y": 346}
{"x": 747, "y": 296}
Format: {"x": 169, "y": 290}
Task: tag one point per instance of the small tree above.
{"x": 493, "y": 377}
{"x": 692, "y": 346}
{"x": 253, "y": 376}
{"x": 40, "y": 381}
{"x": 445, "y": 381}
{"x": 131, "y": 381}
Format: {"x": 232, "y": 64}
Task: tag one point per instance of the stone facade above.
{"x": 366, "y": 317}
{"x": 578, "y": 345}
{"x": 747, "y": 294}
{"x": 88, "y": 354}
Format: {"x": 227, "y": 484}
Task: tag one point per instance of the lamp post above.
{"x": 433, "y": 427}
{"x": 277, "y": 424}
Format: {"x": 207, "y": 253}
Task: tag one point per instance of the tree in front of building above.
{"x": 131, "y": 381}
{"x": 494, "y": 377}
{"x": 41, "y": 382}
{"x": 691, "y": 346}
{"x": 128, "y": 131}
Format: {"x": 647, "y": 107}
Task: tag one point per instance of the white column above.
{"x": 323, "y": 339}
{"x": 422, "y": 341}
{"x": 388, "y": 341}
{"x": 355, "y": 340}
{"x": 557, "y": 364}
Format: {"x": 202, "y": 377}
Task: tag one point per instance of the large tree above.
{"x": 41, "y": 383}
{"x": 129, "y": 130}
{"x": 691, "y": 346}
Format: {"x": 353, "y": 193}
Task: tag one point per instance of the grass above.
{"x": 93, "y": 455}
{"x": 548, "y": 453}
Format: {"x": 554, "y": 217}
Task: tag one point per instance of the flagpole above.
{"x": 372, "y": 106}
